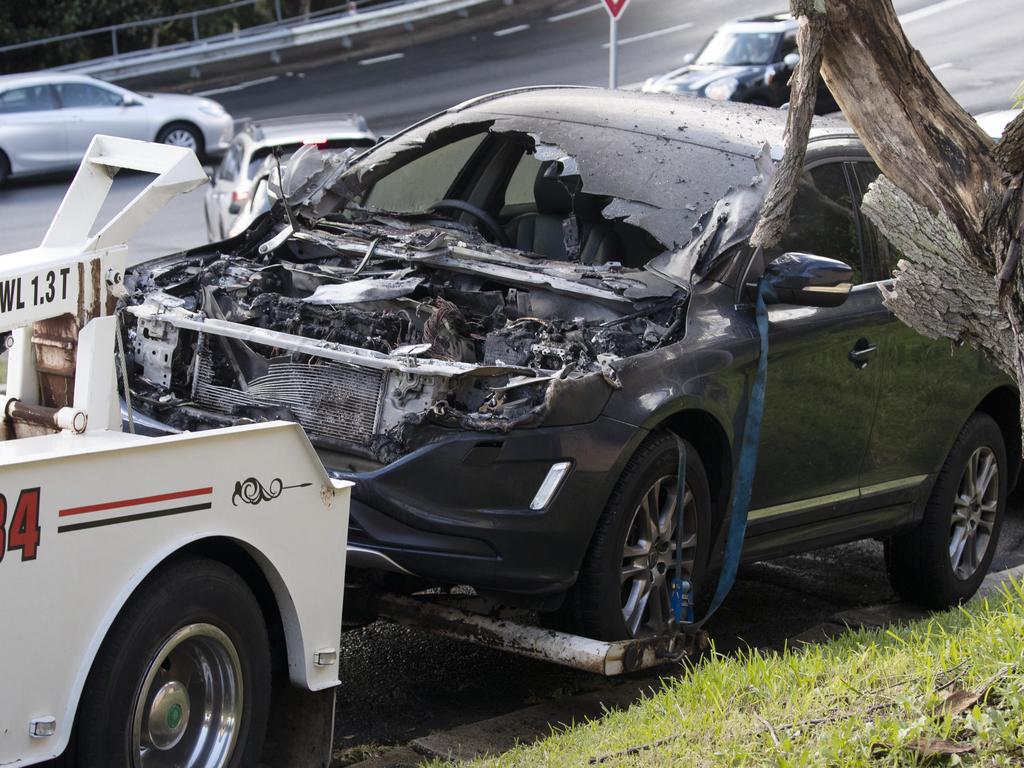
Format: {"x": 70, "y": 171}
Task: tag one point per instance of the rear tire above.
{"x": 5, "y": 168}
{"x": 626, "y": 557}
{"x": 189, "y": 648}
{"x": 943, "y": 561}
{"x": 182, "y": 135}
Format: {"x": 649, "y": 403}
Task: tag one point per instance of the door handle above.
{"x": 860, "y": 353}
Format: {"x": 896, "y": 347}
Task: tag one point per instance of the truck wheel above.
{"x": 183, "y": 677}
{"x": 623, "y": 588}
{"x": 942, "y": 561}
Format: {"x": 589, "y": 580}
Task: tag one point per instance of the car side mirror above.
{"x": 791, "y": 60}
{"x": 688, "y": 59}
{"x": 130, "y": 101}
{"x": 807, "y": 280}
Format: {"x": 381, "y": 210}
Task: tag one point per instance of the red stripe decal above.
{"x": 135, "y": 502}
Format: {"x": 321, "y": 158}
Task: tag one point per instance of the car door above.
{"x": 91, "y": 109}
{"x": 32, "y": 131}
{"x": 928, "y": 389}
{"x": 824, "y": 369}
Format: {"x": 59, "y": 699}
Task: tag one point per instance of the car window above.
{"x": 34, "y": 98}
{"x": 520, "y": 187}
{"x": 736, "y": 48}
{"x": 880, "y": 256}
{"x": 231, "y": 164}
{"x": 823, "y": 221}
{"x": 417, "y": 185}
{"x": 75, "y": 95}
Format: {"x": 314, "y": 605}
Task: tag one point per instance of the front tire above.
{"x": 183, "y": 677}
{"x": 182, "y": 135}
{"x": 5, "y": 168}
{"x": 624, "y": 585}
{"x": 943, "y": 561}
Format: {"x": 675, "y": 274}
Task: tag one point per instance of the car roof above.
{"x": 727, "y": 127}
{"x": 292, "y": 130}
{"x": 35, "y": 78}
{"x": 774, "y": 22}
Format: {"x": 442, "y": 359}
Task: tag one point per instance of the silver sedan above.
{"x": 48, "y": 119}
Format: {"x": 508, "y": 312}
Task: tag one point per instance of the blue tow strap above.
{"x": 681, "y": 594}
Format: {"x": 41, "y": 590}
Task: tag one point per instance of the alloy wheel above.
{"x": 974, "y": 513}
{"x": 188, "y": 709}
{"x": 180, "y": 137}
{"x": 649, "y": 555}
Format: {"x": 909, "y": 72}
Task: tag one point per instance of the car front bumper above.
{"x": 218, "y": 133}
{"x": 459, "y": 511}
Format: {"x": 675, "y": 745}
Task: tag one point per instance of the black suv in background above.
{"x": 498, "y": 322}
{"x": 748, "y": 60}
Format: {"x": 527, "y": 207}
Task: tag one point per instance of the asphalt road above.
{"x": 398, "y": 684}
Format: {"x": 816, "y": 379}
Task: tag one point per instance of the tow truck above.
{"x": 160, "y": 595}
{"x": 177, "y": 600}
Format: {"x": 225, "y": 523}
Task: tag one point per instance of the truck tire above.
{"x": 942, "y": 561}
{"x": 622, "y": 591}
{"x": 183, "y": 676}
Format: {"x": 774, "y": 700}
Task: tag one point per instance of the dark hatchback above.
{"x": 498, "y": 322}
{"x": 748, "y": 60}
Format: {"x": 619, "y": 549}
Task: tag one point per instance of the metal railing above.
{"x": 192, "y": 18}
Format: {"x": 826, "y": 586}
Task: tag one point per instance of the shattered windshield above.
{"x": 734, "y": 49}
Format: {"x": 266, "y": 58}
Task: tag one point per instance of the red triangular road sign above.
{"x": 616, "y": 7}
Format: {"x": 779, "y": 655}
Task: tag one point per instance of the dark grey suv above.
{"x": 498, "y": 322}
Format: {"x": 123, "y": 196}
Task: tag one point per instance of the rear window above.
{"x": 33, "y": 98}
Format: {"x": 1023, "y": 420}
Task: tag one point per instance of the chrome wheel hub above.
{"x": 650, "y": 552}
{"x": 188, "y": 708}
{"x": 974, "y": 513}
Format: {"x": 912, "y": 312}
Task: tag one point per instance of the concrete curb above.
{"x": 499, "y": 734}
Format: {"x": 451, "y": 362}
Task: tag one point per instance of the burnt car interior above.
{"x": 469, "y": 283}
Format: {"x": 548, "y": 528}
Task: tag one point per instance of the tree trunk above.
{"x": 950, "y": 201}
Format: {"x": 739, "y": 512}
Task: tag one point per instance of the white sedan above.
{"x": 47, "y": 120}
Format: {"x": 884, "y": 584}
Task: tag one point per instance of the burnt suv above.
{"x": 499, "y": 322}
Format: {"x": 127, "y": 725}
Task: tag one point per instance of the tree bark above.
{"x": 950, "y": 200}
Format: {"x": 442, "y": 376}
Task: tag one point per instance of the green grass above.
{"x": 867, "y": 698}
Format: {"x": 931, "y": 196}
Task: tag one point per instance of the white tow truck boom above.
{"x": 160, "y": 595}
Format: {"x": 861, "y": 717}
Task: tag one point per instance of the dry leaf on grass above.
{"x": 928, "y": 747}
{"x": 957, "y": 702}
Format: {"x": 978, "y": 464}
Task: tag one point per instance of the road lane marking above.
{"x": 381, "y": 59}
{"x": 656, "y": 33}
{"x": 940, "y": 67}
{"x": 512, "y": 30}
{"x": 929, "y": 10}
{"x": 574, "y": 14}
{"x": 237, "y": 86}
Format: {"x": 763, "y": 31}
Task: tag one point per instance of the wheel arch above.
{"x": 259, "y": 574}
{"x": 1003, "y": 405}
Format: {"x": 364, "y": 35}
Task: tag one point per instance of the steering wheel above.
{"x": 488, "y": 223}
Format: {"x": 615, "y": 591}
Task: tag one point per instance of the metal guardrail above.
{"x": 341, "y": 21}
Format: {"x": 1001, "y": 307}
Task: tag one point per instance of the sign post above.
{"x": 615, "y": 9}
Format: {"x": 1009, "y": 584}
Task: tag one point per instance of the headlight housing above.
{"x": 211, "y": 108}
{"x": 723, "y": 89}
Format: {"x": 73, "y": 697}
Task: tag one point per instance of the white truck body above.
{"x": 88, "y": 511}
